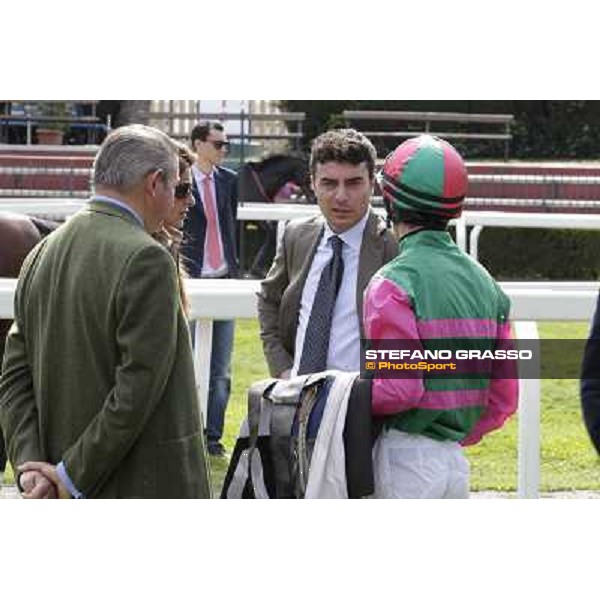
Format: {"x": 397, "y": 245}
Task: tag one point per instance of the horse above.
{"x": 260, "y": 181}
{"x": 18, "y": 235}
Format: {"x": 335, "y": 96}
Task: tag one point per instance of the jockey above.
{"x": 432, "y": 291}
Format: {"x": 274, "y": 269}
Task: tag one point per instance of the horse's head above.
{"x": 261, "y": 180}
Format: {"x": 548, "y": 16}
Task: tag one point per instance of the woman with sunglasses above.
{"x": 171, "y": 234}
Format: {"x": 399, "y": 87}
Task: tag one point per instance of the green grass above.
{"x": 248, "y": 366}
{"x": 8, "y": 475}
{"x": 568, "y": 460}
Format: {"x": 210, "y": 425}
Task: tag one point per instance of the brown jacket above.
{"x": 281, "y": 291}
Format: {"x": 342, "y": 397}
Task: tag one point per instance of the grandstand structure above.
{"x": 32, "y": 170}
{"x": 256, "y": 127}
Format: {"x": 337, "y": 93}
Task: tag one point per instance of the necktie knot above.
{"x": 337, "y": 244}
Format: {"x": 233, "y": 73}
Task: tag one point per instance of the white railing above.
{"x": 63, "y": 207}
{"x": 247, "y": 211}
{"x": 480, "y": 219}
{"x": 230, "y": 299}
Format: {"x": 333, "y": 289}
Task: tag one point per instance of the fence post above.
{"x": 529, "y": 423}
{"x": 461, "y": 233}
{"x": 474, "y": 241}
{"x": 202, "y": 353}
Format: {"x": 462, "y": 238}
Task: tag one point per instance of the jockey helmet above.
{"x": 424, "y": 180}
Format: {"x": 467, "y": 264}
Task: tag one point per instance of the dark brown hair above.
{"x": 344, "y": 146}
{"x": 186, "y": 159}
{"x": 202, "y": 129}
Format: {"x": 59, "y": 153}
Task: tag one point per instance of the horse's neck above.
{"x": 17, "y": 238}
{"x": 250, "y": 185}
{"x": 261, "y": 182}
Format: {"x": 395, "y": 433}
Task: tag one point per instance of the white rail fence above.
{"x": 64, "y": 207}
{"x": 231, "y": 299}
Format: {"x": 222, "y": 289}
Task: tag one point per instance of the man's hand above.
{"x": 36, "y": 486}
{"x": 42, "y": 471}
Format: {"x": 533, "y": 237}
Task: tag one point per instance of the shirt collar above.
{"x": 200, "y": 176}
{"x": 120, "y": 204}
{"x": 352, "y": 237}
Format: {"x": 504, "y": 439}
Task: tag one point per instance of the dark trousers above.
{"x": 266, "y": 253}
{"x": 220, "y": 379}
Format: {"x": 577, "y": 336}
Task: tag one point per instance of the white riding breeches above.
{"x": 415, "y": 466}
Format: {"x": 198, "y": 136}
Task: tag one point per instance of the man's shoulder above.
{"x": 226, "y": 173}
{"x": 302, "y": 226}
{"x": 116, "y": 234}
{"x": 122, "y": 230}
{"x": 144, "y": 246}
{"x": 144, "y": 258}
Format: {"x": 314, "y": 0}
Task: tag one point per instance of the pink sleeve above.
{"x": 388, "y": 314}
{"x": 502, "y": 400}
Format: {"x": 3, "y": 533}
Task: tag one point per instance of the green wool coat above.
{"x": 98, "y": 368}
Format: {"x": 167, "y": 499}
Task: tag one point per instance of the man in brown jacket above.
{"x": 342, "y": 165}
{"x": 97, "y": 393}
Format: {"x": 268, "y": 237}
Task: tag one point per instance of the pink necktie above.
{"x": 214, "y": 256}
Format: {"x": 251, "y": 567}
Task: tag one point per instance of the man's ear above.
{"x": 149, "y": 185}
{"x": 152, "y": 180}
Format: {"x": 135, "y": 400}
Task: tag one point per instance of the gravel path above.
{"x": 10, "y": 492}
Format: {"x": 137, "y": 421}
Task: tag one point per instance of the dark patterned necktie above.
{"x": 318, "y": 329}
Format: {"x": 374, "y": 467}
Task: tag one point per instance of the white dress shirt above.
{"x": 199, "y": 176}
{"x": 344, "y": 339}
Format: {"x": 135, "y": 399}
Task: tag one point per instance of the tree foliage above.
{"x": 543, "y": 129}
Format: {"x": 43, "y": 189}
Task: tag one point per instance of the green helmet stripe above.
{"x": 425, "y": 169}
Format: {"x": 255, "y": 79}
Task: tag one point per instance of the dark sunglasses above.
{"x": 219, "y": 144}
{"x": 183, "y": 190}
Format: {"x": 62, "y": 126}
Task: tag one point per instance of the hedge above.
{"x": 540, "y": 254}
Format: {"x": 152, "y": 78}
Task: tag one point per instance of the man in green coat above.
{"x": 97, "y": 393}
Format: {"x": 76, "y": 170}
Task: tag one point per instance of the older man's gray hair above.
{"x": 129, "y": 153}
